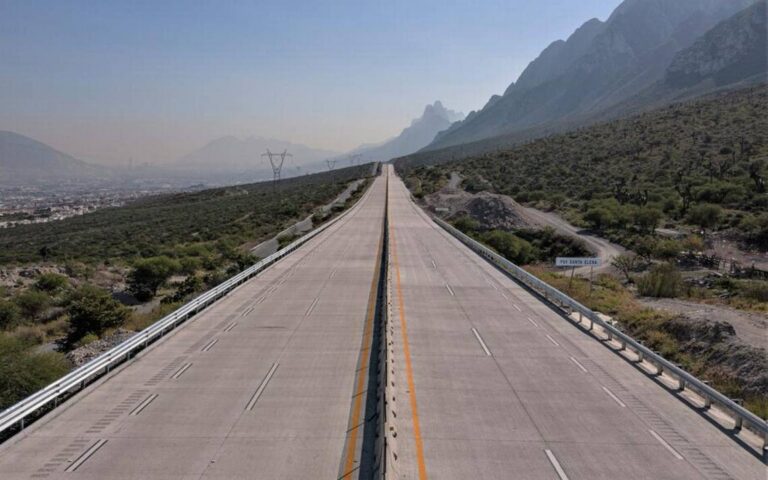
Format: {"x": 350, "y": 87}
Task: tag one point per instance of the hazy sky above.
{"x": 107, "y": 80}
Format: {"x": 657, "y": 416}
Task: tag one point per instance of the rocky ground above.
{"x": 82, "y": 355}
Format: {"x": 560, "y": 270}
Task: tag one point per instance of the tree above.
{"x": 93, "y": 311}
{"x": 705, "y": 215}
{"x": 511, "y": 247}
{"x": 597, "y": 217}
{"x": 626, "y": 263}
{"x": 149, "y": 274}
{"x": 646, "y": 219}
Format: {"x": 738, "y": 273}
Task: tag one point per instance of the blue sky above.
{"x": 109, "y": 80}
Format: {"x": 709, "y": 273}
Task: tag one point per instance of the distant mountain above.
{"x": 24, "y": 161}
{"x": 232, "y": 153}
{"x": 732, "y": 51}
{"x": 601, "y": 65}
{"x": 413, "y": 138}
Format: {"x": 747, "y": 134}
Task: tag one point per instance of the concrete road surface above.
{"x": 492, "y": 384}
{"x": 262, "y": 385}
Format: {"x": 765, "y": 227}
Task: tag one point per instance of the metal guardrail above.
{"x": 686, "y": 380}
{"x": 17, "y": 414}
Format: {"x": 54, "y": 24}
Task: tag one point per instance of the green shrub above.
{"x": 149, "y": 274}
{"x": 51, "y": 282}
{"x": 32, "y": 303}
{"x": 92, "y": 311}
{"x": 10, "y": 315}
{"x": 508, "y": 245}
{"x": 23, "y": 372}
{"x": 663, "y": 281}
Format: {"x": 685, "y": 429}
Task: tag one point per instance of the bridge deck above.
{"x": 504, "y": 388}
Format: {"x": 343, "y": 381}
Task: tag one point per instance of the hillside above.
{"x": 663, "y": 163}
{"x": 600, "y": 66}
{"x": 221, "y": 219}
{"x": 24, "y": 160}
{"x": 419, "y": 134}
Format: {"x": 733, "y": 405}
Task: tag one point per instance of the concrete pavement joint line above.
{"x": 181, "y": 371}
{"x": 579, "y": 365}
{"x": 614, "y": 397}
{"x": 556, "y": 464}
{"x": 552, "y": 340}
{"x": 230, "y": 327}
{"x": 482, "y": 343}
{"x": 533, "y": 322}
{"x": 311, "y": 307}
{"x": 449, "y": 290}
{"x": 408, "y": 364}
{"x": 262, "y": 386}
{"x": 86, "y": 455}
{"x": 666, "y": 445}
{"x": 210, "y": 345}
{"x": 143, "y": 404}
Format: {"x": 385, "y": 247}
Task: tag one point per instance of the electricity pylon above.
{"x": 331, "y": 164}
{"x": 276, "y": 160}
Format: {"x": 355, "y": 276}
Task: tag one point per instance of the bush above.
{"x": 511, "y": 247}
{"x": 9, "y": 315}
{"x": 705, "y": 215}
{"x": 667, "y": 249}
{"x": 149, "y": 274}
{"x": 663, "y": 281}
{"x": 93, "y": 311}
{"x": 51, "y": 282}
{"x": 754, "y": 290}
{"x": 32, "y": 303}
{"x": 466, "y": 224}
{"x": 23, "y": 372}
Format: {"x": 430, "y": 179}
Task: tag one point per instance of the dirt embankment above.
{"x": 726, "y": 355}
{"x": 502, "y": 212}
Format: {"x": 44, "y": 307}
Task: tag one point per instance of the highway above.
{"x": 263, "y": 384}
{"x": 491, "y": 383}
{"x": 272, "y": 381}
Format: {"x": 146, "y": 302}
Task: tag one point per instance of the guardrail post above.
{"x": 623, "y": 346}
{"x": 640, "y": 356}
{"x": 680, "y": 384}
{"x": 738, "y": 421}
{"x": 659, "y": 369}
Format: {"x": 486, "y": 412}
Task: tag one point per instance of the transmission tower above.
{"x": 355, "y": 159}
{"x": 276, "y": 160}
{"x": 331, "y": 164}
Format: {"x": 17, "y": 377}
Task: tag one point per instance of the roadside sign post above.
{"x": 574, "y": 262}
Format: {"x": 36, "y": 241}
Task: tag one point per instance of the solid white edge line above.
{"x": 579, "y": 364}
{"x": 666, "y": 445}
{"x": 482, "y": 343}
{"x": 556, "y": 464}
{"x": 86, "y": 455}
{"x": 262, "y": 386}
{"x": 614, "y": 397}
{"x": 552, "y": 340}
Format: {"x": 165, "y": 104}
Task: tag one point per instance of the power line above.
{"x": 276, "y": 160}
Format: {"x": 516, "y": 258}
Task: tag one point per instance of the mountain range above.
{"x": 645, "y": 52}
{"x": 413, "y": 138}
{"x": 27, "y": 161}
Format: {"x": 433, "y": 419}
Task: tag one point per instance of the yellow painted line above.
{"x": 356, "y": 420}
{"x": 408, "y": 365}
